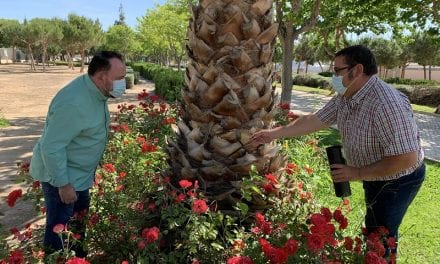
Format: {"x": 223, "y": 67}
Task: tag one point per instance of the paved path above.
{"x": 429, "y": 125}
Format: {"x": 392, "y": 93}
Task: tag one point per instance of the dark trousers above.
{"x": 387, "y": 201}
{"x": 58, "y": 212}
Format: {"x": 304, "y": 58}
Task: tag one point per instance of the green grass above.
{"x": 419, "y": 240}
{"x": 423, "y": 108}
{"x": 3, "y": 122}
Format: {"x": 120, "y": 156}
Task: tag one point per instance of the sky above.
{"x": 107, "y": 11}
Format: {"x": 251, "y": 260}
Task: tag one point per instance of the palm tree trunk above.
{"x": 228, "y": 96}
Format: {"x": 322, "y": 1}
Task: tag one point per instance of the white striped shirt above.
{"x": 375, "y": 123}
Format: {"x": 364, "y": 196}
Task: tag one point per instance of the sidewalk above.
{"x": 429, "y": 125}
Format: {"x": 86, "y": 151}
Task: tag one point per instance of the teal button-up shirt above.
{"x": 74, "y": 136}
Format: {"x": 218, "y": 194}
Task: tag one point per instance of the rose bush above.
{"x": 138, "y": 216}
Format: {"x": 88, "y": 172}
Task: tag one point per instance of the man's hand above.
{"x": 67, "y": 194}
{"x": 262, "y": 136}
{"x": 342, "y": 173}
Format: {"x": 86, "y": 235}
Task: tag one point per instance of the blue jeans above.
{"x": 387, "y": 201}
{"x": 58, "y": 212}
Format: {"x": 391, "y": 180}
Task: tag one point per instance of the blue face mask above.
{"x": 337, "y": 84}
{"x": 118, "y": 88}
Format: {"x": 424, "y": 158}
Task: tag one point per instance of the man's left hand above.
{"x": 342, "y": 173}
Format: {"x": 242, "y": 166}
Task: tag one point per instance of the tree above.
{"x": 121, "y": 20}
{"x": 294, "y": 18}
{"x": 47, "y": 31}
{"x": 228, "y": 95}
{"x": 426, "y": 48}
{"x": 28, "y": 37}
{"x": 86, "y": 33}
{"x": 163, "y": 32}
{"x": 9, "y": 36}
{"x": 120, "y": 38}
{"x": 304, "y": 51}
{"x": 386, "y": 53}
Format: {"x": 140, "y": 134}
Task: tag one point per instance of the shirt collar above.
{"x": 363, "y": 91}
{"x": 94, "y": 90}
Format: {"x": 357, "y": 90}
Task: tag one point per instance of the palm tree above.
{"x": 228, "y": 95}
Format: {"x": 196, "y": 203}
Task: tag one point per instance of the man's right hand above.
{"x": 67, "y": 194}
{"x": 262, "y": 136}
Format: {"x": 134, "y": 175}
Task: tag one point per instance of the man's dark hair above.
{"x": 101, "y": 61}
{"x": 359, "y": 54}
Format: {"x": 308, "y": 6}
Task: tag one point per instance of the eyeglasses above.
{"x": 336, "y": 70}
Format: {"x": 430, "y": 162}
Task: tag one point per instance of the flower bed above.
{"x": 138, "y": 216}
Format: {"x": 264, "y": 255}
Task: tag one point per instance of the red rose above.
{"x": 15, "y": 257}
{"x": 373, "y": 258}
{"x": 76, "y": 260}
{"x": 348, "y": 243}
{"x": 271, "y": 178}
{"x": 58, "y": 228}
{"x": 151, "y": 234}
{"x": 185, "y": 184}
{"x": 338, "y": 216}
{"x": 108, "y": 167}
{"x": 315, "y": 242}
{"x": 326, "y": 213}
{"x": 240, "y": 260}
{"x": 199, "y": 206}
{"x": 291, "y": 246}
{"x": 13, "y": 197}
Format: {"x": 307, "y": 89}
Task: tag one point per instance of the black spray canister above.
{"x": 334, "y": 155}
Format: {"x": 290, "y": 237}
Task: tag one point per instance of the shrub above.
{"x": 138, "y": 216}
{"x": 129, "y": 80}
{"x": 311, "y": 81}
{"x": 168, "y": 82}
{"x": 326, "y": 74}
{"x": 397, "y": 80}
{"x": 420, "y": 95}
{"x": 136, "y": 77}
{"x": 65, "y": 63}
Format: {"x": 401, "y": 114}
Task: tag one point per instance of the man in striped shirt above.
{"x": 380, "y": 138}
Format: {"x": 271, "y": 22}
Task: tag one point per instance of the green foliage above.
{"x": 121, "y": 38}
{"x": 311, "y": 81}
{"x": 397, "y": 80}
{"x": 3, "y": 121}
{"x": 428, "y": 96}
{"x": 163, "y": 33}
{"x": 326, "y": 74}
{"x": 426, "y": 49}
{"x": 141, "y": 214}
{"x": 75, "y": 63}
{"x": 168, "y": 82}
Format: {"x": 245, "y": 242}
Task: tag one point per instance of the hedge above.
{"x": 167, "y": 82}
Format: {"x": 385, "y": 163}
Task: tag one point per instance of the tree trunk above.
{"x": 286, "y": 74}
{"x": 83, "y": 56}
{"x": 44, "y": 57}
{"x": 33, "y": 68}
{"x": 320, "y": 66}
{"x": 228, "y": 96}
{"x": 430, "y": 72}
{"x": 424, "y": 72}
{"x": 402, "y": 72}
{"x": 14, "y": 50}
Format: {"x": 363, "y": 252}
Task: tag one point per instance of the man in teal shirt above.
{"x": 73, "y": 141}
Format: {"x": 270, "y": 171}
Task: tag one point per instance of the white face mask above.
{"x": 118, "y": 88}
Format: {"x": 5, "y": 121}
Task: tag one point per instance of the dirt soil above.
{"x": 24, "y": 101}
